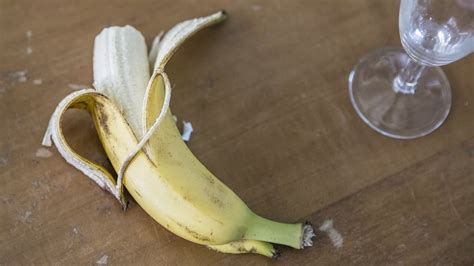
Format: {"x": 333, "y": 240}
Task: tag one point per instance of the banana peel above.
{"x": 156, "y": 166}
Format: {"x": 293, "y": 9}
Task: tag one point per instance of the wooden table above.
{"x": 267, "y": 95}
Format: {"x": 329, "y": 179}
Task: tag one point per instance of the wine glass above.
{"x": 404, "y": 94}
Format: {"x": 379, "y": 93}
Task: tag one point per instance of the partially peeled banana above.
{"x": 130, "y": 110}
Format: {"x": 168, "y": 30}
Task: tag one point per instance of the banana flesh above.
{"x": 158, "y": 169}
{"x": 121, "y": 71}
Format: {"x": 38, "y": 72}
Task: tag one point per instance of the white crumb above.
{"x": 77, "y": 86}
{"x": 29, "y": 50}
{"x": 187, "y": 130}
{"x": 103, "y": 260}
{"x": 20, "y": 75}
{"x": 43, "y": 153}
{"x": 334, "y": 235}
{"x": 175, "y": 118}
{"x": 26, "y": 217}
{"x": 38, "y": 81}
{"x": 75, "y": 230}
{"x": 3, "y": 161}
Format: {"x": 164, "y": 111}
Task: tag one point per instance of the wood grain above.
{"x": 267, "y": 95}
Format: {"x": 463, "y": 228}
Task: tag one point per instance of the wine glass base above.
{"x": 393, "y": 113}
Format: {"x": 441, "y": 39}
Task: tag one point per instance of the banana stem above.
{"x": 275, "y": 232}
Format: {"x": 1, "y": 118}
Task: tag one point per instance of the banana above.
{"x": 152, "y": 161}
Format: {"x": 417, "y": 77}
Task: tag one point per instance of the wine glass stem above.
{"x": 406, "y": 81}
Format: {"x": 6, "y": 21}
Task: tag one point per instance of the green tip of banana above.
{"x": 129, "y": 105}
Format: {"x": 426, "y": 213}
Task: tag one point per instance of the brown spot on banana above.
{"x": 102, "y": 118}
{"x": 138, "y": 193}
{"x": 194, "y": 234}
{"x": 210, "y": 179}
{"x": 216, "y": 200}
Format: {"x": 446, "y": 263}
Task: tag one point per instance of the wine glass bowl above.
{"x": 436, "y": 32}
{"x": 405, "y": 94}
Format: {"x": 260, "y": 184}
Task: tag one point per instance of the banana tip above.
{"x": 124, "y": 202}
{"x": 308, "y": 235}
{"x": 221, "y": 15}
{"x": 224, "y": 13}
